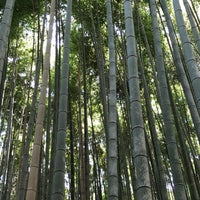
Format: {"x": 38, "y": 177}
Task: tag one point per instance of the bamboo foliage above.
{"x": 118, "y": 110}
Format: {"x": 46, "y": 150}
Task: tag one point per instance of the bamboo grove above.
{"x": 99, "y": 99}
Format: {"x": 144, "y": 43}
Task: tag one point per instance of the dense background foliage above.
{"x": 88, "y": 98}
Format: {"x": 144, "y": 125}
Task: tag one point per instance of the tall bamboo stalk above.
{"x": 143, "y": 187}
{"x": 113, "y": 185}
{"x": 58, "y": 190}
{"x": 4, "y": 33}
{"x": 35, "y": 160}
